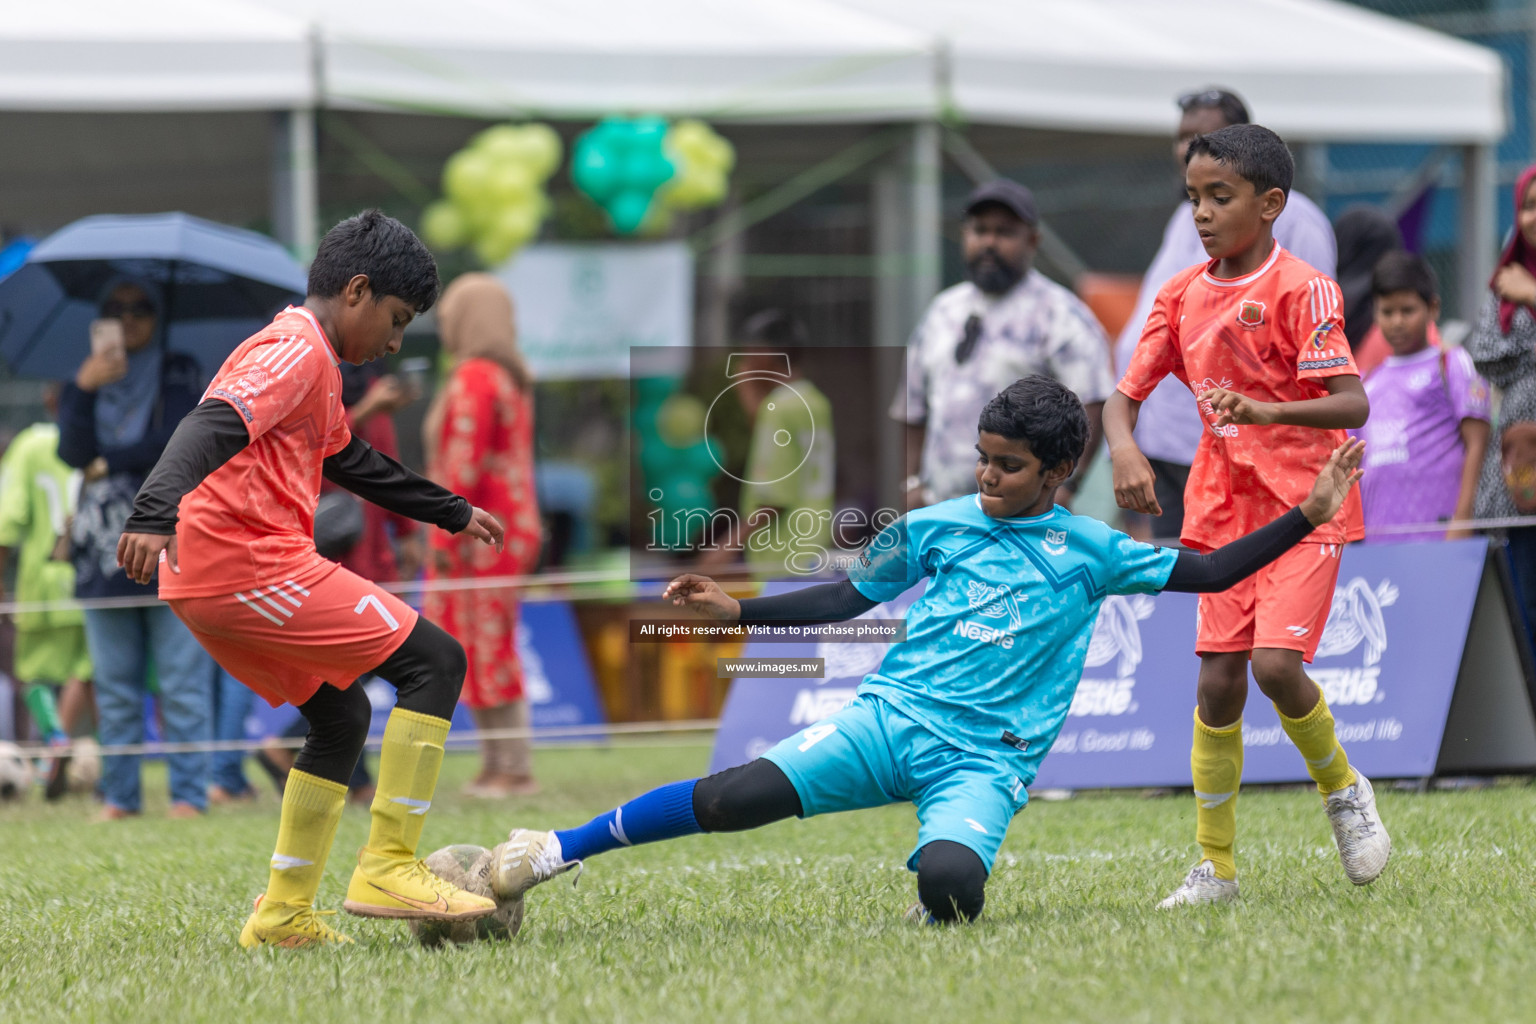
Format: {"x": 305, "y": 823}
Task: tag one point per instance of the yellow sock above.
{"x": 1216, "y": 764}
{"x": 311, "y": 811}
{"x": 408, "y": 767}
{"x": 1314, "y": 737}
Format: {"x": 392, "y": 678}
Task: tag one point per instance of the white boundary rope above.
{"x": 552, "y": 582}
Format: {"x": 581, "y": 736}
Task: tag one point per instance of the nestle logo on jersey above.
{"x": 989, "y": 634}
{"x": 1250, "y": 314}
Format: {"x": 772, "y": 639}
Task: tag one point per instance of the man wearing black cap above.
{"x": 1004, "y": 322}
{"x": 1169, "y": 425}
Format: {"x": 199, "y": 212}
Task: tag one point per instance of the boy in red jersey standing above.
{"x": 1258, "y": 337}
{"x": 227, "y": 515}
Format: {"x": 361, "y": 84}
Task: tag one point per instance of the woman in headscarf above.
{"x": 478, "y": 437}
{"x": 1503, "y": 349}
{"x": 114, "y": 420}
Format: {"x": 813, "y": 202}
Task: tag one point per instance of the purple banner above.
{"x": 1387, "y": 661}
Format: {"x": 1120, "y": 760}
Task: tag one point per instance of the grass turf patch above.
{"x": 136, "y": 920}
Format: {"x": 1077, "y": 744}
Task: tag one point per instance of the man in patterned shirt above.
{"x": 1004, "y": 322}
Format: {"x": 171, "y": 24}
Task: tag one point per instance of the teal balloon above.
{"x": 594, "y": 171}
{"x": 620, "y": 164}
{"x": 627, "y": 210}
{"x": 681, "y": 493}
{"x": 653, "y": 390}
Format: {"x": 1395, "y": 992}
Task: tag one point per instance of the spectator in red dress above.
{"x": 479, "y": 440}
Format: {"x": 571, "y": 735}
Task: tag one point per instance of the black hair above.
{"x": 373, "y": 243}
{"x": 1403, "y": 271}
{"x": 1044, "y": 414}
{"x": 1253, "y": 151}
{"x": 1233, "y": 109}
{"x": 773, "y": 327}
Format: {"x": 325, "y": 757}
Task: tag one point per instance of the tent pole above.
{"x": 1478, "y": 224}
{"x": 906, "y": 214}
{"x": 927, "y": 214}
{"x": 295, "y": 182}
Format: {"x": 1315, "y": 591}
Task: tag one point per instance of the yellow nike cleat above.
{"x": 408, "y": 889}
{"x": 288, "y": 926}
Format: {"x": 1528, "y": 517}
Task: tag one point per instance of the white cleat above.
{"x": 1201, "y": 886}
{"x": 1364, "y": 845}
{"x": 526, "y": 859}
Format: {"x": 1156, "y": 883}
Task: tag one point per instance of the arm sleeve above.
{"x": 206, "y": 438}
{"x": 1317, "y": 331}
{"x": 826, "y": 602}
{"x": 1157, "y": 353}
{"x": 890, "y": 564}
{"x": 1231, "y": 563}
{"x": 77, "y": 426}
{"x": 14, "y": 509}
{"x": 369, "y": 473}
{"x": 1468, "y": 392}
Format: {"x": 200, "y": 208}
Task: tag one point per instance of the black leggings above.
{"x": 426, "y": 671}
{"x": 951, "y": 879}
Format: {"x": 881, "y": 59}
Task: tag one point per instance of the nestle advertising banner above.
{"x": 1387, "y": 661}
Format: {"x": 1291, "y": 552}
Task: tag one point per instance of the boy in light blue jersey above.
{"x": 958, "y": 718}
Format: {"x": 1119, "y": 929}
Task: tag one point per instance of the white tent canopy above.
{"x": 153, "y": 55}
{"x": 581, "y": 59}
{"x": 1317, "y": 69}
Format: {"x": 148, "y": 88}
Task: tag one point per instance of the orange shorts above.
{"x": 1284, "y": 605}
{"x": 283, "y": 641}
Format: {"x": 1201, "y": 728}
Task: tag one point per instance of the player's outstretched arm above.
{"x": 373, "y": 476}
{"x": 1231, "y": 563}
{"x": 825, "y": 602}
{"x": 703, "y": 595}
{"x": 1133, "y": 477}
{"x": 1345, "y": 406}
{"x": 206, "y": 438}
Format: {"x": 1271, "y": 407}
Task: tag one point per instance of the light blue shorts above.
{"x": 869, "y": 754}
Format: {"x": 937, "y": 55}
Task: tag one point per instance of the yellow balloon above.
{"x": 511, "y": 184}
{"x": 444, "y": 225}
{"x": 517, "y": 223}
{"x": 466, "y": 176}
{"x": 680, "y": 421}
{"x": 544, "y": 149}
{"x": 493, "y": 250}
{"x": 500, "y": 142}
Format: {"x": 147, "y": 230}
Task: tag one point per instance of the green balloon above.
{"x": 627, "y": 210}
{"x": 594, "y": 170}
{"x": 620, "y": 164}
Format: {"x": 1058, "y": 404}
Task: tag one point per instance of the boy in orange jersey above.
{"x": 227, "y": 514}
{"x": 1258, "y": 336}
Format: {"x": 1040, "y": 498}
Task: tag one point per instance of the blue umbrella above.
{"x": 219, "y": 285}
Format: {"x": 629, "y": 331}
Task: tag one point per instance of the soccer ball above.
{"x": 84, "y": 765}
{"x": 469, "y": 868}
{"x": 16, "y": 775}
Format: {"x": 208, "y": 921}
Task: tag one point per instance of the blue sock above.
{"x": 663, "y": 813}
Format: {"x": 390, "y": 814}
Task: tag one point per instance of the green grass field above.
{"x": 799, "y": 921}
